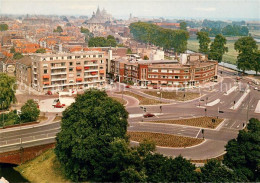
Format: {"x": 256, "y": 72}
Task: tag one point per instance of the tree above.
{"x": 243, "y": 153}
{"x": 41, "y": 50}
{"x": 58, "y": 29}
{"x": 204, "y": 41}
{"x": 30, "y": 111}
{"x": 12, "y": 50}
{"x": 146, "y": 58}
{"x": 183, "y": 26}
{"x": 256, "y": 62}
{"x": 88, "y": 127}
{"x": 213, "y": 171}
{"x": 129, "y": 51}
{"x": 247, "y": 53}
{"x": 83, "y": 30}
{"x": 17, "y": 56}
{"x": 218, "y": 48}
{"x": 3, "y": 27}
{"x": 7, "y": 91}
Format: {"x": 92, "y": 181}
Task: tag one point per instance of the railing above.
{"x": 58, "y": 73}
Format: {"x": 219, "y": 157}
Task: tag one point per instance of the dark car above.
{"x": 49, "y": 93}
{"x": 148, "y": 115}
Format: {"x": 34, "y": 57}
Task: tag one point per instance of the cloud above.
{"x": 209, "y": 9}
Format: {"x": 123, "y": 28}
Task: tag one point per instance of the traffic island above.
{"x": 120, "y": 100}
{"x": 174, "y": 95}
{"x": 203, "y": 122}
{"x": 164, "y": 140}
{"x": 142, "y": 100}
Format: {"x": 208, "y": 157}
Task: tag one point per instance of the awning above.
{"x": 102, "y": 71}
{"x": 86, "y": 68}
{"x": 46, "y": 76}
{"x": 93, "y": 73}
{"x": 46, "y": 83}
{"x": 78, "y": 68}
{"x": 79, "y": 79}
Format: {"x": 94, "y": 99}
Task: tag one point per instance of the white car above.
{"x": 256, "y": 88}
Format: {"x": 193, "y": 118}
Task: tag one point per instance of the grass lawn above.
{"x": 164, "y": 140}
{"x": 42, "y": 118}
{"x": 142, "y": 100}
{"x": 44, "y": 168}
{"x": 174, "y": 95}
{"x": 204, "y": 122}
{"x": 57, "y": 118}
{"x": 122, "y": 101}
{"x": 229, "y": 57}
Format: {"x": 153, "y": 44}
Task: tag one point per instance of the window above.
{"x": 51, "y": 58}
{"x": 94, "y": 56}
{"x": 69, "y": 57}
{"x": 71, "y": 69}
{"x": 77, "y": 56}
{"x": 101, "y": 61}
{"x": 101, "y": 67}
{"x": 77, "y": 63}
{"x": 197, "y": 70}
{"x": 176, "y": 71}
{"x": 186, "y": 71}
{"x": 78, "y": 74}
{"x": 45, "y": 71}
{"x": 100, "y": 56}
{"x": 186, "y": 77}
{"x": 71, "y": 63}
{"x": 164, "y": 70}
{"x": 176, "y": 77}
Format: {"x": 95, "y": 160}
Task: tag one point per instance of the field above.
{"x": 44, "y": 168}
{"x": 164, "y": 140}
{"x": 142, "y": 100}
{"x": 174, "y": 95}
{"x": 204, "y": 122}
{"x": 229, "y": 57}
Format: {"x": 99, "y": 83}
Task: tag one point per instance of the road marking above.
{"x": 233, "y": 124}
{"x": 179, "y": 133}
{"x": 238, "y": 126}
{"x": 182, "y": 130}
{"x": 198, "y": 133}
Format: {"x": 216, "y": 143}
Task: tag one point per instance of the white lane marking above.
{"x": 257, "y": 109}
{"x": 213, "y": 102}
{"x": 179, "y": 133}
{"x": 233, "y": 124}
{"x": 198, "y": 133}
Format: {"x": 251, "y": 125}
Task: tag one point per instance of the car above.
{"x": 181, "y": 89}
{"x": 156, "y": 87}
{"x": 58, "y": 105}
{"x": 148, "y": 115}
{"x": 256, "y": 88}
{"x": 48, "y": 93}
{"x": 127, "y": 86}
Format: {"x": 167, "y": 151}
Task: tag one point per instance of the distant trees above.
{"x": 58, "y": 29}
{"x": 17, "y": 56}
{"x": 166, "y": 38}
{"x": 243, "y": 153}
{"x": 7, "y": 91}
{"x": 3, "y": 27}
{"x": 248, "y": 54}
{"x": 183, "y": 26}
{"x": 12, "y": 50}
{"x": 41, "y": 50}
{"x": 218, "y": 48}
{"x": 204, "y": 41}
{"x": 102, "y": 42}
{"x": 87, "y": 33}
{"x": 30, "y": 111}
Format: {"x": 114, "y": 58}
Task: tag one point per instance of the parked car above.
{"x": 58, "y": 105}
{"x": 256, "y": 88}
{"x": 127, "y": 86}
{"x": 148, "y": 115}
{"x": 48, "y": 93}
{"x": 156, "y": 87}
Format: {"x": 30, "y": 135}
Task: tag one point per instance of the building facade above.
{"x": 68, "y": 71}
{"x": 23, "y": 69}
{"x": 192, "y": 72}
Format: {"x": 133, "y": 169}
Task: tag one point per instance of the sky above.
{"x": 211, "y": 9}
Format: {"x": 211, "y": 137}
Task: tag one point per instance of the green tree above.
{"x": 129, "y": 51}
{"x": 183, "y": 26}
{"x": 146, "y": 58}
{"x": 17, "y": 56}
{"x": 204, "y": 41}
{"x": 243, "y": 153}
{"x": 58, "y": 29}
{"x": 246, "y": 48}
{"x": 218, "y": 48}
{"x": 213, "y": 171}
{"x": 256, "y": 62}
{"x": 84, "y": 30}
{"x": 41, "y": 50}
{"x": 7, "y": 91}
{"x": 88, "y": 127}
{"x": 30, "y": 111}
{"x": 12, "y": 50}
{"x": 3, "y": 27}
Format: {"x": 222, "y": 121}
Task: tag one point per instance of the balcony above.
{"x": 90, "y": 76}
{"x": 59, "y": 67}
{"x": 58, "y": 79}
{"x": 92, "y": 70}
{"x": 58, "y": 73}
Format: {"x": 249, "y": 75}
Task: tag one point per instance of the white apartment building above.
{"x": 57, "y": 72}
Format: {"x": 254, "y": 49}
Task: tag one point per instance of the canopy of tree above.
{"x": 218, "y": 48}
{"x": 17, "y": 56}
{"x": 183, "y": 26}
{"x": 7, "y": 90}
{"x": 3, "y": 27}
{"x": 58, "y": 29}
{"x": 102, "y": 42}
{"x": 29, "y": 111}
{"x": 248, "y": 54}
{"x": 10, "y": 118}
{"x": 41, "y": 50}
{"x": 166, "y": 38}
{"x": 243, "y": 153}
{"x": 204, "y": 41}
{"x": 229, "y": 30}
